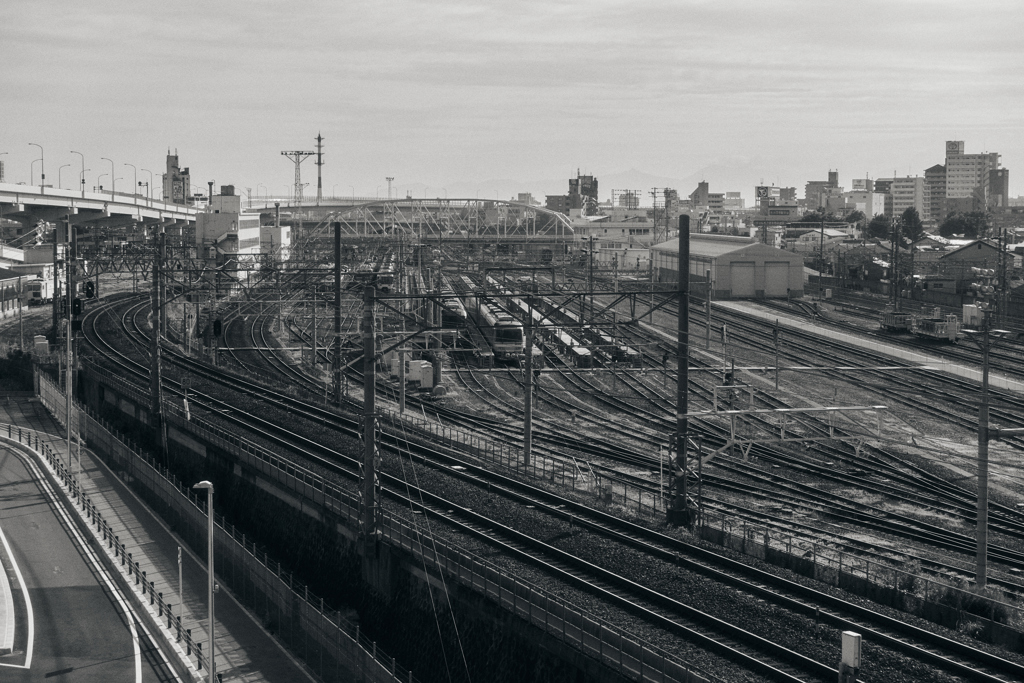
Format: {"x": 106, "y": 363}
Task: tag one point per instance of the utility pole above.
{"x": 894, "y": 277}
{"x": 985, "y": 294}
{"x": 369, "y": 498}
{"x": 319, "y": 164}
{"x": 528, "y": 402}
{"x": 336, "y": 367}
{"x": 55, "y": 285}
{"x": 679, "y": 514}
{"x": 821, "y": 255}
{"x": 68, "y": 384}
{"x": 155, "y": 384}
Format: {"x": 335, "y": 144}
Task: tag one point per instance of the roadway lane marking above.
{"x": 90, "y": 553}
{"x": 13, "y": 447}
{"x": 28, "y": 606}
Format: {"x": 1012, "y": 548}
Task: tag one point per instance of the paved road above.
{"x": 81, "y": 630}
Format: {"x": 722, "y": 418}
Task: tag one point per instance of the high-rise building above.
{"x": 935, "y": 192}
{"x": 967, "y": 177}
{"x": 2, "y": 172}
{"x": 177, "y": 181}
{"x": 998, "y": 188}
{"x": 818, "y": 192}
{"x": 583, "y": 193}
{"x": 906, "y": 193}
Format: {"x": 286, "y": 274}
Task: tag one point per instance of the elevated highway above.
{"x": 29, "y": 204}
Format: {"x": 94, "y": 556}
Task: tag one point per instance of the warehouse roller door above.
{"x": 742, "y": 276}
{"x": 776, "y": 278}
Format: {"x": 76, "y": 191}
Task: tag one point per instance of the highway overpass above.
{"x": 29, "y": 204}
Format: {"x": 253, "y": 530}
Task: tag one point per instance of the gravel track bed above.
{"x": 798, "y": 631}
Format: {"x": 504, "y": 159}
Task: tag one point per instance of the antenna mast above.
{"x": 298, "y": 158}
{"x": 319, "y": 163}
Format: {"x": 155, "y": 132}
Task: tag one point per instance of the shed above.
{"x": 977, "y": 252}
{"x": 739, "y": 267}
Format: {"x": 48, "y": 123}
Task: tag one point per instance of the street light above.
{"x": 208, "y": 487}
{"x": 112, "y": 181}
{"x": 32, "y": 172}
{"x": 42, "y": 167}
{"x": 60, "y": 183}
{"x": 135, "y": 178}
{"x": 83, "y": 170}
{"x": 99, "y": 180}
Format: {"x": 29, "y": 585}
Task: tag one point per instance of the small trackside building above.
{"x": 739, "y": 267}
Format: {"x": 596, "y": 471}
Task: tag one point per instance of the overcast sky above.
{"x": 454, "y": 93}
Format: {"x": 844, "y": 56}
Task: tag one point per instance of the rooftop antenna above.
{"x": 319, "y": 163}
{"x": 298, "y": 158}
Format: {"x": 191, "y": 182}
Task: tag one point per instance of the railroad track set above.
{"x": 711, "y": 609}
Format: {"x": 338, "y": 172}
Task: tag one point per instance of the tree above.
{"x": 855, "y": 217}
{"x": 971, "y": 225}
{"x": 912, "y": 227}
{"x": 880, "y": 226}
{"x": 817, "y": 217}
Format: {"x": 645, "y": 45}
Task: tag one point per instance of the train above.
{"x": 503, "y": 333}
{"x": 38, "y": 291}
{"x": 379, "y": 272}
{"x": 936, "y": 326}
{"x": 453, "y": 312}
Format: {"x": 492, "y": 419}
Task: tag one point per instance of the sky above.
{"x": 483, "y": 98}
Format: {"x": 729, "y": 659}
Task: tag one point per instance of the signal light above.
{"x": 76, "y": 306}
{"x": 217, "y": 327}
{"x": 90, "y": 289}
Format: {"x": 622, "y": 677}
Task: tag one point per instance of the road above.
{"x": 76, "y": 625}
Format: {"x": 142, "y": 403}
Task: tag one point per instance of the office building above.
{"x": 177, "y": 182}
{"x": 967, "y": 177}
{"x": 906, "y": 193}
{"x": 935, "y": 191}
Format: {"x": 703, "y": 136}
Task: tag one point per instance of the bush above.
{"x": 16, "y": 371}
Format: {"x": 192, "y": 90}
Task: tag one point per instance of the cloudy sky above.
{"x": 456, "y": 94}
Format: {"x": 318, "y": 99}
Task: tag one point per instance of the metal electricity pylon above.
{"x": 298, "y": 158}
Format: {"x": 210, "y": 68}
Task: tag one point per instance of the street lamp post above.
{"x": 208, "y": 487}
{"x": 352, "y": 187}
{"x": 112, "y": 181}
{"x": 135, "y": 178}
{"x": 99, "y": 180}
{"x": 83, "y": 170}
{"x": 60, "y": 183}
{"x": 42, "y": 167}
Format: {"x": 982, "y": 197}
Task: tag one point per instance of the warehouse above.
{"x": 739, "y": 267}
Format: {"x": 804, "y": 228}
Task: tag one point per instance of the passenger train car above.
{"x": 379, "y": 272}
{"x": 503, "y": 332}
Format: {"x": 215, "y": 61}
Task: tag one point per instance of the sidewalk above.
{"x": 244, "y": 651}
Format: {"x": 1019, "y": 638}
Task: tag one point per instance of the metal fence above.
{"x": 912, "y": 592}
